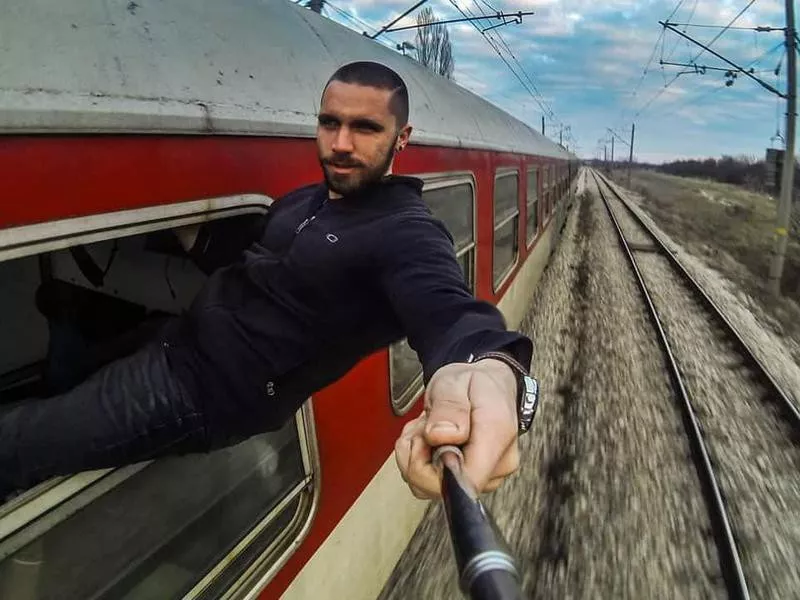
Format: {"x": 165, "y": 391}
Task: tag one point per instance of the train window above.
{"x": 506, "y": 220}
{"x": 532, "y": 205}
{"x": 191, "y": 526}
{"x": 454, "y": 203}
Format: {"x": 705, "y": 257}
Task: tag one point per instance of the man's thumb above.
{"x": 448, "y": 420}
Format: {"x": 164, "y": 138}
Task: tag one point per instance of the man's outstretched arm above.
{"x": 472, "y": 405}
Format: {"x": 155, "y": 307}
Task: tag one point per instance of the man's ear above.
{"x": 403, "y": 137}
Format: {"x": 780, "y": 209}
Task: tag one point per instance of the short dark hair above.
{"x": 379, "y": 76}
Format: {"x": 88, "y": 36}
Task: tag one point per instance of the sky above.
{"x": 594, "y": 65}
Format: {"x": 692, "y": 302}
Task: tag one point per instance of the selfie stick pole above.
{"x": 486, "y": 569}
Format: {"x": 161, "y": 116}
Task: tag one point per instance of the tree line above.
{"x": 744, "y": 171}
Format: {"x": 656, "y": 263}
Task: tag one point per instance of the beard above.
{"x": 360, "y": 177}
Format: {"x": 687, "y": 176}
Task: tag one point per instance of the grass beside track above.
{"x": 730, "y": 228}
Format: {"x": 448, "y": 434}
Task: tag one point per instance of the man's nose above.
{"x": 343, "y": 142}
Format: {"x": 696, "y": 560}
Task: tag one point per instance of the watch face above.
{"x": 528, "y": 403}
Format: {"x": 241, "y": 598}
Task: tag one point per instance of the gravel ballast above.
{"x": 755, "y": 456}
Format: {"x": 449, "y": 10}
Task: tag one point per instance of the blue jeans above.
{"x": 131, "y": 410}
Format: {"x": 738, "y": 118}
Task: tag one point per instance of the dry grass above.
{"x": 730, "y": 228}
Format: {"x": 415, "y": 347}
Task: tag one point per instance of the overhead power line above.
{"x": 719, "y": 35}
{"x": 650, "y": 59}
{"x": 661, "y": 91}
{"x": 493, "y": 44}
{"x": 386, "y": 27}
{"x": 697, "y": 99}
{"x": 760, "y": 28}
{"x": 736, "y": 67}
{"x": 517, "y": 18}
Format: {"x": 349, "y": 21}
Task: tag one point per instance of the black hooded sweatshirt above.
{"x": 295, "y": 298}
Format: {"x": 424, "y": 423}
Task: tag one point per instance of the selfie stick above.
{"x": 486, "y": 569}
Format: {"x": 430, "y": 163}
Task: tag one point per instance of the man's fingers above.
{"x": 420, "y": 494}
{"x": 402, "y": 447}
{"x": 448, "y": 408}
{"x": 413, "y": 456}
{"x": 422, "y": 477}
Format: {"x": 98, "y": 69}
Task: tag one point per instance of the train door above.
{"x": 198, "y": 526}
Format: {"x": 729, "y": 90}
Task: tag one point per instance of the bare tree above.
{"x": 433, "y": 44}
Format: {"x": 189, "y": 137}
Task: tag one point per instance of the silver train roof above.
{"x": 251, "y": 67}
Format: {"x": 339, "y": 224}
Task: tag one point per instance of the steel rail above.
{"x": 730, "y": 560}
{"x": 785, "y": 403}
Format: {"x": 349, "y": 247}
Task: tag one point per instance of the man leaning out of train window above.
{"x": 293, "y": 300}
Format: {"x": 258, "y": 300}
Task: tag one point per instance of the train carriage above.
{"x": 122, "y": 120}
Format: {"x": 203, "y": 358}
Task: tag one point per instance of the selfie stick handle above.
{"x": 486, "y": 569}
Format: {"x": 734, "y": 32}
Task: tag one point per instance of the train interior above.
{"x": 152, "y": 526}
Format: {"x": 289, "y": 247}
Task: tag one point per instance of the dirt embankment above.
{"x": 730, "y": 229}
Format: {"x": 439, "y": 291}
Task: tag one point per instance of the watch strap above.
{"x": 503, "y": 357}
{"x": 527, "y": 388}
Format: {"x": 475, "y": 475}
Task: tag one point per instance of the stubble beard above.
{"x": 361, "y": 177}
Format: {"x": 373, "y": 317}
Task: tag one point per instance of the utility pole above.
{"x": 561, "y": 137}
{"x": 612, "y": 153}
{"x": 787, "y": 180}
{"x": 543, "y": 125}
{"x": 630, "y": 159}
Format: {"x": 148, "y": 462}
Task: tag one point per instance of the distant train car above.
{"x": 121, "y": 120}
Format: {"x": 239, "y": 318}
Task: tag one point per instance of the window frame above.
{"x": 405, "y": 400}
{"x": 503, "y": 279}
{"x": 535, "y": 169}
{"x": 39, "y": 509}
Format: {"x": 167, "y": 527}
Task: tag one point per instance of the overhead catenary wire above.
{"x": 709, "y": 92}
{"x": 548, "y": 111}
{"x": 677, "y": 42}
{"x": 661, "y": 91}
{"x": 387, "y": 41}
{"x": 646, "y": 69}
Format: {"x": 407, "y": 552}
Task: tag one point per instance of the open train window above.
{"x": 532, "y": 201}
{"x": 452, "y": 200}
{"x": 194, "y": 526}
{"x": 506, "y": 225}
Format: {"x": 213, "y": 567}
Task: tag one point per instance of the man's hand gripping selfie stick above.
{"x": 486, "y": 569}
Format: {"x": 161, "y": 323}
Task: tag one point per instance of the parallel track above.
{"x": 723, "y": 531}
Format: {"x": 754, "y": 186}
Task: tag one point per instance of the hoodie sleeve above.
{"x": 443, "y": 321}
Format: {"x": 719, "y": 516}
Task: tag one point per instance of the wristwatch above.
{"x": 527, "y": 388}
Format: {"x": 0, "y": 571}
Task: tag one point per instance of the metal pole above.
{"x": 630, "y": 159}
{"x": 542, "y": 124}
{"x": 781, "y": 238}
{"x": 385, "y": 27}
{"x": 612, "y": 153}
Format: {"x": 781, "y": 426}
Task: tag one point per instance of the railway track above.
{"x": 743, "y": 429}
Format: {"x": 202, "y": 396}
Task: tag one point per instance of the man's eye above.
{"x": 366, "y": 127}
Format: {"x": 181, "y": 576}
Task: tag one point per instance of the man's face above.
{"x": 357, "y": 136}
